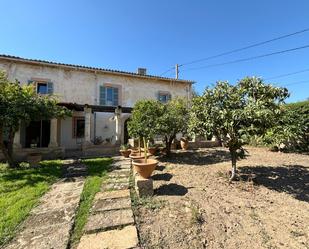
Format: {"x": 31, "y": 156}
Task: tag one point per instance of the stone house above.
{"x": 101, "y": 101}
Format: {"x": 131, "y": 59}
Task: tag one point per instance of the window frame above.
{"x": 109, "y": 85}
{"x": 164, "y": 93}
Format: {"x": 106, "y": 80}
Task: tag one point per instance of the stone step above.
{"x": 123, "y": 238}
{"x": 112, "y": 194}
{"x": 109, "y": 220}
{"x": 111, "y": 204}
{"x": 115, "y": 186}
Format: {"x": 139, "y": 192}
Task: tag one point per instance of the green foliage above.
{"x": 150, "y": 118}
{"x": 144, "y": 119}
{"x": 291, "y": 132}
{"x": 235, "y": 112}
{"x": 20, "y": 191}
{"x": 21, "y": 103}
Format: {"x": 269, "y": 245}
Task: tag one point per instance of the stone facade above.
{"x": 81, "y": 85}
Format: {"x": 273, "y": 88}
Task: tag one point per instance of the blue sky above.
{"x": 157, "y": 34}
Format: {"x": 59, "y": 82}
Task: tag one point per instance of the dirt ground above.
{"x": 195, "y": 206}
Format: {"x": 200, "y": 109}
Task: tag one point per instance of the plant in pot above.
{"x": 143, "y": 124}
{"x": 124, "y": 150}
{"x": 152, "y": 149}
{"x": 184, "y": 143}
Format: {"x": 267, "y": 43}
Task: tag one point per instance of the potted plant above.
{"x": 145, "y": 166}
{"x": 184, "y": 143}
{"x": 152, "y": 149}
{"x": 34, "y": 159}
{"x": 143, "y": 124}
{"x": 124, "y": 150}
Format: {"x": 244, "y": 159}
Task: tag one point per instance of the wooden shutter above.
{"x": 50, "y": 88}
{"x": 102, "y": 95}
{"x": 169, "y": 97}
{"x": 115, "y": 96}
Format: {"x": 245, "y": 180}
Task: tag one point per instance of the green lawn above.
{"x": 20, "y": 190}
{"x": 97, "y": 172}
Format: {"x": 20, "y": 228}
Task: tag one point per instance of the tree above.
{"x": 144, "y": 120}
{"x": 21, "y": 103}
{"x": 174, "y": 120}
{"x": 235, "y": 112}
{"x": 291, "y": 131}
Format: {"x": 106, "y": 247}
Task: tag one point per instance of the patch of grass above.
{"x": 97, "y": 172}
{"x": 20, "y": 190}
{"x": 196, "y": 215}
{"x": 148, "y": 202}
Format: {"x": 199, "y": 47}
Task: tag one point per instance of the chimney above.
{"x": 142, "y": 71}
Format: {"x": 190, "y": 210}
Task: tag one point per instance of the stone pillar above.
{"x": 118, "y": 124}
{"x": 16, "y": 143}
{"x": 88, "y": 112}
{"x": 53, "y": 133}
{"x": 143, "y": 187}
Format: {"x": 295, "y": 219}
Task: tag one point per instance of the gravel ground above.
{"x": 195, "y": 206}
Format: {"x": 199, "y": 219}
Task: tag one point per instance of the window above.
{"x": 164, "y": 97}
{"x": 42, "y": 86}
{"x": 78, "y": 127}
{"x": 109, "y": 96}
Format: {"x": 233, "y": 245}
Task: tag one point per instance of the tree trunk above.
{"x": 234, "y": 159}
{"x": 8, "y": 150}
{"x": 168, "y": 143}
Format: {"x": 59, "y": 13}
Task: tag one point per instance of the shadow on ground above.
{"x": 195, "y": 157}
{"x": 171, "y": 189}
{"x": 291, "y": 179}
{"x": 162, "y": 177}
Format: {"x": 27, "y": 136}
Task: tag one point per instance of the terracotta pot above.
{"x": 152, "y": 150}
{"x": 184, "y": 143}
{"x": 145, "y": 169}
{"x": 134, "y": 150}
{"x": 34, "y": 159}
{"x": 125, "y": 153}
{"x": 136, "y": 155}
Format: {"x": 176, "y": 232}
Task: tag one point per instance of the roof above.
{"x": 88, "y": 68}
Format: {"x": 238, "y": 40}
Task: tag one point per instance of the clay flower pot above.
{"x": 145, "y": 169}
{"x": 125, "y": 153}
{"x": 184, "y": 143}
{"x": 152, "y": 150}
{"x": 137, "y": 155}
{"x": 34, "y": 159}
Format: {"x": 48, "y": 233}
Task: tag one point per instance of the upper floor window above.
{"x": 42, "y": 87}
{"x": 109, "y": 95}
{"x": 164, "y": 97}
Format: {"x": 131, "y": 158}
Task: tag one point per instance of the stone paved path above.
{"x": 111, "y": 222}
{"x": 50, "y": 223}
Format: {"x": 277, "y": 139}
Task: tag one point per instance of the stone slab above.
{"x": 111, "y": 204}
{"x": 109, "y": 220}
{"x": 124, "y": 238}
{"x": 112, "y": 194}
{"x": 48, "y": 237}
{"x": 143, "y": 187}
{"x": 115, "y": 186}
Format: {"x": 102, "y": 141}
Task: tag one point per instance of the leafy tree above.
{"x": 292, "y": 129}
{"x": 235, "y": 112}
{"x": 143, "y": 123}
{"x": 174, "y": 120}
{"x": 21, "y": 103}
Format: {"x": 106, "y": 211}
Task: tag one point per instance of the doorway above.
{"x": 38, "y": 134}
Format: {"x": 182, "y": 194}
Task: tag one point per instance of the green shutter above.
{"x": 115, "y": 96}
{"x": 102, "y": 95}
{"x": 50, "y": 87}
